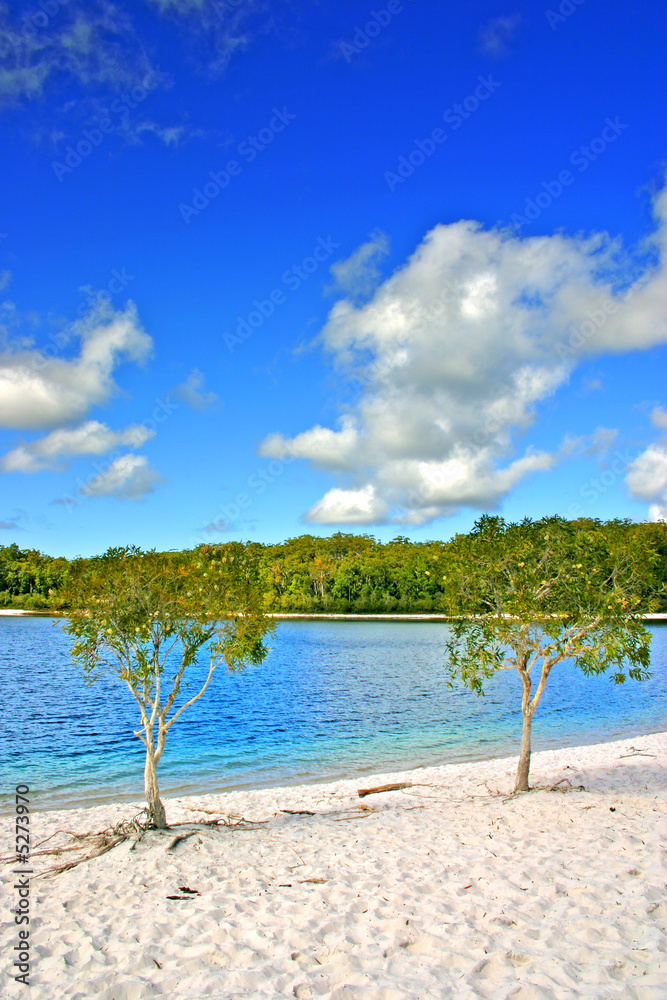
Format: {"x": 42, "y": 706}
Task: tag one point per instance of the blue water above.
{"x": 333, "y": 699}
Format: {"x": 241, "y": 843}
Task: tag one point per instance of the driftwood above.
{"x": 298, "y": 812}
{"x": 362, "y": 792}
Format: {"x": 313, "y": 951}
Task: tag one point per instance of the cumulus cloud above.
{"x": 129, "y": 477}
{"x": 38, "y": 392}
{"x": 647, "y": 475}
{"x": 452, "y": 357}
{"x": 349, "y": 507}
{"x": 359, "y": 274}
{"x": 190, "y": 392}
{"x": 496, "y": 33}
{"x": 91, "y": 438}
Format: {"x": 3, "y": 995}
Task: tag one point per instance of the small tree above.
{"x": 531, "y": 595}
{"x": 149, "y": 615}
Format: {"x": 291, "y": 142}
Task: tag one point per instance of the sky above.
{"x": 269, "y": 268}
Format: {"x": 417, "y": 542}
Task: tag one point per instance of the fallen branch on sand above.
{"x": 362, "y": 792}
{"x": 636, "y": 752}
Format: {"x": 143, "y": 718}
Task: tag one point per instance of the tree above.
{"x": 149, "y": 615}
{"x": 528, "y": 596}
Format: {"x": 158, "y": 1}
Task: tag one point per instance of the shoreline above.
{"x": 325, "y": 616}
{"x": 369, "y": 774}
{"x": 446, "y": 888}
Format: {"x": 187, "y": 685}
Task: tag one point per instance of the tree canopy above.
{"x": 148, "y": 617}
{"x": 546, "y": 591}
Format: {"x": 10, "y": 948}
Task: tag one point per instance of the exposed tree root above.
{"x": 564, "y": 785}
{"x": 93, "y": 845}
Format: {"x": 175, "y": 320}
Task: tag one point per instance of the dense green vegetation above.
{"x": 342, "y": 573}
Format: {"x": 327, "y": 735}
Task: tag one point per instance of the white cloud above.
{"x": 359, "y": 273}
{"x": 38, "y": 392}
{"x": 169, "y": 135}
{"x": 647, "y": 475}
{"x": 5, "y": 278}
{"x": 496, "y": 33}
{"x": 597, "y": 443}
{"x": 453, "y": 355}
{"x": 190, "y": 392}
{"x": 659, "y": 418}
{"x": 129, "y": 477}
{"x": 91, "y": 438}
{"x": 349, "y": 507}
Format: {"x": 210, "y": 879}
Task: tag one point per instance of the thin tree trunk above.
{"x": 156, "y": 814}
{"x": 522, "y": 771}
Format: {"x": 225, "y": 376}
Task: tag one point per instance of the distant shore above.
{"x": 345, "y": 616}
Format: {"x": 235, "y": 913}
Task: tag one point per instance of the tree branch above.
{"x": 192, "y": 700}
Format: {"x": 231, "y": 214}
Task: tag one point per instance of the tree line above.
{"x": 348, "y": 573}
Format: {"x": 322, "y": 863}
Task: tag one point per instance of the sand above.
{"x": 445, "y": 889}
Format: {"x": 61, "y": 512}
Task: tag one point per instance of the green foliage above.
{"x": 551, "y": 590}
{"x": 148, "y": 615}
{"x": 545, "y": 591}
{"x": 125, "y": 607}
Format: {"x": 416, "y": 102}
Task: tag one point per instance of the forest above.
{"x": 344, "y": 572}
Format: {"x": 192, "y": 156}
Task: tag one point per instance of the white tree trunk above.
{"x": 523, "y": 769}
{"x": 156, "y": 814}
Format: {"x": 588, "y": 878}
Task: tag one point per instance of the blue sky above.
{"x": 268, "y": 268}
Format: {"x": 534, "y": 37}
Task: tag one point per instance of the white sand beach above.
{"x": 445, "y": 889}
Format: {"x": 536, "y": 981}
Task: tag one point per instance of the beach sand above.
{"x": 445, "y": 889}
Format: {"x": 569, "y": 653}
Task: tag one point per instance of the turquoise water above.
{"x": 333, "y": 699}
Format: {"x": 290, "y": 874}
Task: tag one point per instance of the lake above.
{"x": 333, "y": 699}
